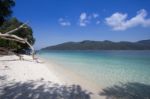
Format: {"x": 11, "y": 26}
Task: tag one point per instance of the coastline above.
{"x": 111, "y": 71}
{"x": 69, "y": 77}
{"x": 15, "y": 73}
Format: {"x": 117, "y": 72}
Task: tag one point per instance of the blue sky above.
{"x": 58, "y": 21}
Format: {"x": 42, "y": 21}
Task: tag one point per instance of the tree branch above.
{"x": 11, "y": 39}
{"x": 16, "y": 29}
{"x": 9, "y": 36}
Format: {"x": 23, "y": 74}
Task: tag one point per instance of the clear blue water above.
{"x": 105, "y": 67}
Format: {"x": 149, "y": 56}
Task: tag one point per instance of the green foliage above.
{"x": 5, "y": 9}
{"x": 7, "y": 24}
{"x": 26, "y": 33}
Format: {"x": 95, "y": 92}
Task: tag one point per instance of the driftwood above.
{"x": 12, "y": 37}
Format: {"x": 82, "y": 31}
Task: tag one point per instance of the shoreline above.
{"x": 14, "y": 71}
{"x": 69, "y": 77}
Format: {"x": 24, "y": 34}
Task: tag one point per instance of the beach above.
{"x": 75, "y": 75}
{"x": 23, "y": 70}
{"x": 102, "y": 68}
{"x": 72, "y": 49}
{"x": 45, "y": 79}
{"x": 102, "y": 71}
{"x": 69, "y": 77}
{"x": 28, "y": 72}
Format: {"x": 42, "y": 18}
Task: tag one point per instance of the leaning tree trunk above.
{"x": 9, "y": 36}
{"x": 32, "y": 48}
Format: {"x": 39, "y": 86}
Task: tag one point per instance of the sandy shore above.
{"x": 13, "y": 70}
{"x": 23, "y": 70}
{"x": 69, "y": 77}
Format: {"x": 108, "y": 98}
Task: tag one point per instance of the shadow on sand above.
{"x": 2, "y": 78}
{"x": 127, "y": 91}
{"x": 41, "y": 90}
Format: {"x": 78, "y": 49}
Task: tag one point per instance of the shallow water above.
{"x": 104, "y": 68}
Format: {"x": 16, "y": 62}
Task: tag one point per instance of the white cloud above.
{"x": 84, "y": 19}
{"x": 64, "y": 22}
{"x": 119, "y": 21}
{"x": 83, "y": 16}
{"x": 95, "y": 15}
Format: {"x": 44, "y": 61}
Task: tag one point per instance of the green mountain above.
{"x": 101, "y": 45}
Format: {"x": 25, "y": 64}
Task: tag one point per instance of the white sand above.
{"x": 27, "y": 69}
{"x": 24, "y": 70}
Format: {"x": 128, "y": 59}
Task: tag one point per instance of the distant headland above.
{"x": 101, "y": 45}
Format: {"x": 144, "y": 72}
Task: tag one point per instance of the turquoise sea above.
{"x": 104, "y": 68}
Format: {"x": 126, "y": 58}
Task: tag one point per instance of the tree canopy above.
{"x": 25, "y": 33}
{"x": 5, "y": 10}
{"x": 8, "y": 23}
